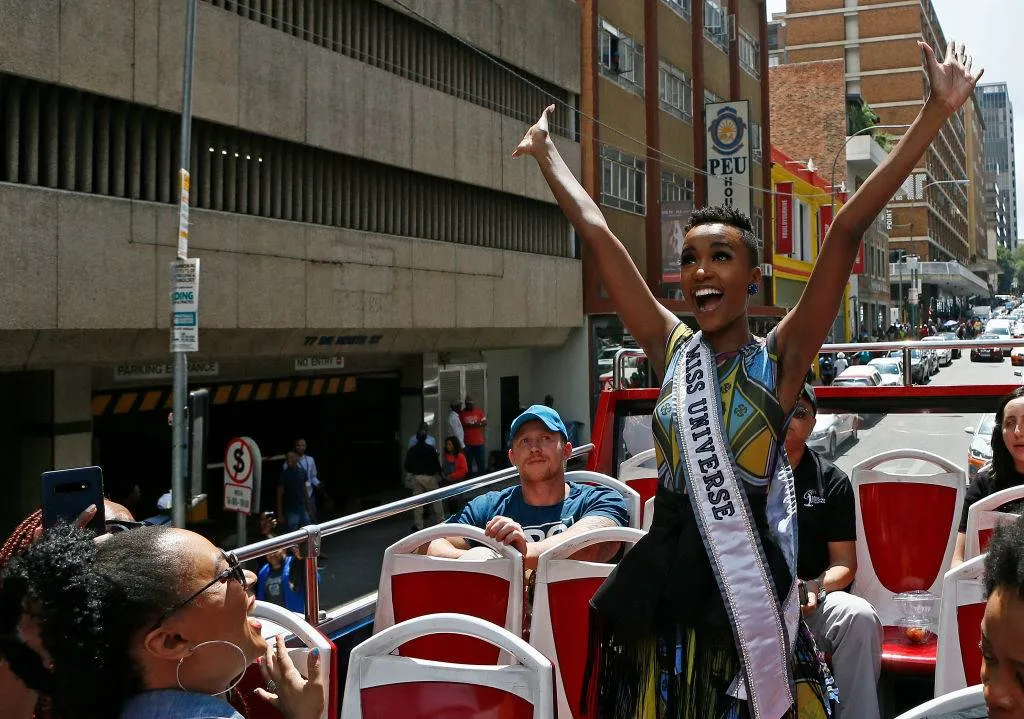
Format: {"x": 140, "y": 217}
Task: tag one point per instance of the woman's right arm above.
{"x": 646, "y": 319}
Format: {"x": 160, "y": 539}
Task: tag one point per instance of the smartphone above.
{"x": 68, "y": 492}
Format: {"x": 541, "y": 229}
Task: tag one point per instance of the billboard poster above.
{"x": 674, "y": 216}
{"x": 727, "y": 127}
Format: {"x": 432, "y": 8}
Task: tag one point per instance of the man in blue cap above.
{"x": 543, "y": 510}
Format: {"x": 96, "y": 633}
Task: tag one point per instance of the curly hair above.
{"x": 90, "y": 600}
{"x": 1004, "y": 561}
{"x": 1002, "y": 460}
{"x": 719, "y": 214}
{"x": 456, "y": 444}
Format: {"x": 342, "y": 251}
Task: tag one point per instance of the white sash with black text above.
{"x": 763, "y": 630}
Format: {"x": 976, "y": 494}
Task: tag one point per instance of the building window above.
{"x": 710, "y": 97}
{"x": 682, "y": 7}
{"x": 622, "y": 180}
{"x": 774, "y": 61}
{"x": 755, "y": 142}
{"x": 750, "y": 54}
{"x": 621, "y": 58}
{"x": 676, "y": 188}
{"x": 715, "y": 29}
{"x": 675, "y": 92}
{"x": 757, "y": 220}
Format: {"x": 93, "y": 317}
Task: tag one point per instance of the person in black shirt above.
{"x": 422, "y": 462}
{"x": 1006, "y": 469}
{"x": 844, "y": 625}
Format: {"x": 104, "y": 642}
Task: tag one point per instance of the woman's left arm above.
{"x": 802, "y": 331}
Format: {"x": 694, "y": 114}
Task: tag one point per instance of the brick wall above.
{"x": 808, "y": 112}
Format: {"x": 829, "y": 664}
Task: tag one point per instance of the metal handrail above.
{"x": 313, "y": 534}
{"x": 619, "y": 363}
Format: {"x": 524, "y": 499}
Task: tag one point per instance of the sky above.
{"x": 990, "y": 29}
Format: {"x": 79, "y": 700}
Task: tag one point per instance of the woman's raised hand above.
{"x": 951, "y": 80}
{"x": 537, "y": 136}
{"x": 293, "y": 696}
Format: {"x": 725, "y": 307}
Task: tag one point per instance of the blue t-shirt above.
{"x": 539, "y": 523}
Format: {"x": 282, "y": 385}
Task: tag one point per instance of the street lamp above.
{"x": 841, "y": 150}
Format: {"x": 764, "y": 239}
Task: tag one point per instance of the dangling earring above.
{"x": 752, "y": 289}
{"x": 177, "y": 671}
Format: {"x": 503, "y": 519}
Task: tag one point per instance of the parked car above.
{"x": 989, "y": 354}
{"x": 980, "y": 452}
{"x": 831, "y": 431}
{"x": 890, "y": 369}
{"x": 920, "y": 365}
{"x": 943, "y": 356}
{"x": 1017, "y": 356}
{"x": 955, "y": 352}
{"x": 858, "y": 376}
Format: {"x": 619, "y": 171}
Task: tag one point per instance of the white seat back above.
{"x": 958, "y": 659}
{"x": 630, "y": 495}
{"x": 944, "y": 707}
{"x": 906, "y": 526}
{"x": 413, "y": 584}
{"x": 984, "y": 515}
{"x": 389, "y": 685}
{"x": 568, "y": 585}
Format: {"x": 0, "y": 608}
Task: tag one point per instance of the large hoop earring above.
{"x": 177, "y": 671}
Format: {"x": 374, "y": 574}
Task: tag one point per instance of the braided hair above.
{"x": 89, "y": 600}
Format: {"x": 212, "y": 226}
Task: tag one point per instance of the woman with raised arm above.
{"x": 701, "y": 618}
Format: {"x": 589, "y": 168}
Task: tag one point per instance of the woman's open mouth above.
{"x": 707, "y": 299}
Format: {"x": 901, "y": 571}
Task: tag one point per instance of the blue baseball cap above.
{"x": 543, "y": 414}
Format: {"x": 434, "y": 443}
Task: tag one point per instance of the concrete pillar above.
{"x": 52, "y": 429}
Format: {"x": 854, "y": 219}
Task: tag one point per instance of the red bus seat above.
{"x": 963, "y": 605}
{"x": 561, "y": 617}
{"x": 277, "y": 620}
{"x": 413, "y": 585}
{"x": 984, "y": 516}
{"x": 381, "y": 685}
{"x": 899, "y": 550}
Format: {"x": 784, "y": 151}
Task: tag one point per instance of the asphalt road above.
{"x": 352, "y": 567}
{"x": 941, "y": 434}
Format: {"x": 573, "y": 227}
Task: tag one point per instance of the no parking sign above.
{"x": 242, "y": 469}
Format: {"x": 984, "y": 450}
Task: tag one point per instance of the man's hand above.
{"x": 812, "y": 598}
{"x": 507, "y": 532}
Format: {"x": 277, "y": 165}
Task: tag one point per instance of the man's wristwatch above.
{"x": 822, "y": 592}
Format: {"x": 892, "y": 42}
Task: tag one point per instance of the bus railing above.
{"x": 905, "y": 346}
{"x": 312, "y": 535}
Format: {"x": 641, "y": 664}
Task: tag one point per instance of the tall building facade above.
{"x": 649, "y": 69}
{"x": 878, "y": 43}
{"x": 983, "y": 262}
{"x": 361, "y": 226}
{"x": 1000, "y": 157}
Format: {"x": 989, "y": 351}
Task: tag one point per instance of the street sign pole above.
{"x": 180, "y": 499}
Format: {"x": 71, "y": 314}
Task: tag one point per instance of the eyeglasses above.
{"x": 801, "y": 412}
{"x": 233, "y": 571}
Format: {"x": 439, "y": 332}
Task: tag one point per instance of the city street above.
{"x": 941, "y": 434}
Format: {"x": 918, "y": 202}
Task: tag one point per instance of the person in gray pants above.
{"x": 844, "y": 625}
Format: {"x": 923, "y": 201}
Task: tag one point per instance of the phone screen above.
{"x": 68, "y": 492}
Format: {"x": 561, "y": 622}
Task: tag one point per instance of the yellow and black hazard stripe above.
{"x": 149, "y": 399}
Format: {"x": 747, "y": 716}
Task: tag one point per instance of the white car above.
{"x": 944, "y": 355}
{"x": 858, "y": 376}
{"x": 980, "y": 452}
{"x": 831, "y": 431}
{"x": 889, "y": 369}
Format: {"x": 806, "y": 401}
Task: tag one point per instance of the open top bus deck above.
{"x": 908, "y": 461}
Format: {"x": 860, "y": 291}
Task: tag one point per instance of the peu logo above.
{"x": 727, "y": 131}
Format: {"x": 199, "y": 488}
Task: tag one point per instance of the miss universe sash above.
{"x": 763, "y": 630}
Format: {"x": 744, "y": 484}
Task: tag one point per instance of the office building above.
{"x": 1000, "y": 157}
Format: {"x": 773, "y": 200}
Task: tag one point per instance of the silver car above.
{"x": 831, "y": 431}
{"x": 943, "y": 355}
{"x": 980, "y": 452}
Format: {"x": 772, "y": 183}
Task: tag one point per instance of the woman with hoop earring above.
{"x": 153, "y": 622}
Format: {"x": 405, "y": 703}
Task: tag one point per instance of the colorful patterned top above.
{"x": 754, "y": 419}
